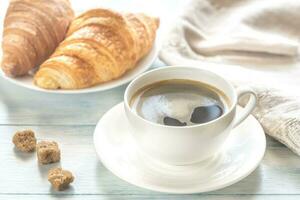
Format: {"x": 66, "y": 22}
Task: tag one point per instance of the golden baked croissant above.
{"x": 101, "y": 45}
{"x": 32, "y": 31}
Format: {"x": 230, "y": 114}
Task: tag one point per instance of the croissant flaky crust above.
{"x": 32, "y": 31}
{"x": 101, "y": 45}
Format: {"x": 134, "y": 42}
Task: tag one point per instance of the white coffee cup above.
{"x": 182, "y": 145}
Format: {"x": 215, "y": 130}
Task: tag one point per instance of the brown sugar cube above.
{"x": 25, "y": 141}
{"x": 48, "y": 152}
{"x": 59, "y": 178}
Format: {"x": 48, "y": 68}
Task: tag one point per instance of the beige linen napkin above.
{"x": 250, "y": 42}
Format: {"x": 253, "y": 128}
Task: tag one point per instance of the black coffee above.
{"x": 179, "y": 102}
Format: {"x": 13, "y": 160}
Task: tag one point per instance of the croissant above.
{"x": 32, "y": 31}
{"x": 101, "y": 45}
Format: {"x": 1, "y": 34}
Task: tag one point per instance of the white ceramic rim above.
{"x": 143, "y": 65}
{"x": 232, "y": 107}
{"x": 140, "y": 184}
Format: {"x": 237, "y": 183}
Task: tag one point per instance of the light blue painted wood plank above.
{"x": 22, "y": 106}
{"x": 279, "y": 173}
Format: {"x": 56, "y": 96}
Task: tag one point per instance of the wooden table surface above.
{"x": 70, "y": 120}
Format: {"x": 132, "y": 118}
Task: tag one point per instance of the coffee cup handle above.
{"x": 249, "y": 107}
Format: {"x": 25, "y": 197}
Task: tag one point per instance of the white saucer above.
{"x": 144, "y": 64}
{"x": 117, "y": 150}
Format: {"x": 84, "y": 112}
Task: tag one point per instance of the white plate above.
{"x": 142, "y": 66}
{"x": 117, "y": 150}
